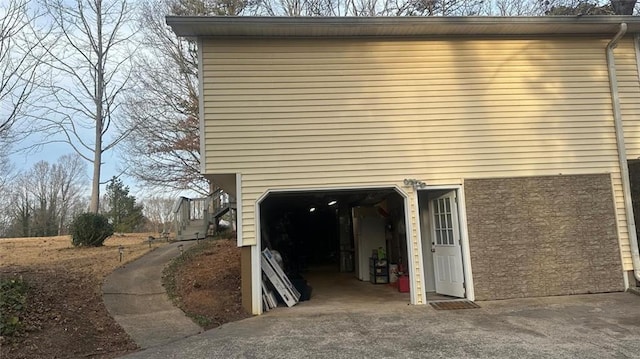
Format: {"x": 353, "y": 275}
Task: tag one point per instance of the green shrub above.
{"x": 90, "y": 229}
{"x": 13, "y": 297}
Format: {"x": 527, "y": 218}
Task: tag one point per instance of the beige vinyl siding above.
{"x": 629, "y": 87}
{"x": 336, "y": 113}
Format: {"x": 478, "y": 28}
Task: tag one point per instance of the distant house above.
{"x": 488, "y": 157}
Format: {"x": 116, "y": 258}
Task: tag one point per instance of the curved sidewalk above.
{"x": 135, "y": 297}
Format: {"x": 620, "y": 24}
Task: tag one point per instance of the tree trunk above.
{"x": 623, "y": 7}
{"x": 94, "y": 206}
{"x": 99, "y": 95}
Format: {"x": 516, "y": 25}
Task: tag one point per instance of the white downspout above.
{"x": 622, "y": 152}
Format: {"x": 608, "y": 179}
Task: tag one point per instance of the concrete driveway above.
{"x": 584, "y": 326}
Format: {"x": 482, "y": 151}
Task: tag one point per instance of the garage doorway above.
{"x": 326, "y": 239}
{"x": 444, "y": 245}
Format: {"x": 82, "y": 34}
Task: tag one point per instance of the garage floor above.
{"x": 335, "y": 290}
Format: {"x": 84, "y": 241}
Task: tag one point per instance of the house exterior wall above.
{"x": 627, "y": 70}
{"x": 325, "y": 113}
{"x": 540, "y": 236}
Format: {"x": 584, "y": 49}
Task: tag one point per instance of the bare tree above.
{"x": 68, "y": 178}
{"x": 45, "y": 197}
{"x": 623, "y": 7}
{"x": 518, "y": 8}
{"x": 375, "y": 7}
{"x": 322, "y": 7}
{"x": 164, "y": 149}
{"x": 6, "y": 177}
{"x": 7, "y": 172}
{"x": 442, "y": 7}
{"x": 202, "y": 7}
{"x": 157, "y": 210}
{"x": 90, "y": 72}
{"x": 21, "y": 209}
{"x": 33, "y": 204}
{"x": 20, "y": 55}
{"x": 588, "y": 7}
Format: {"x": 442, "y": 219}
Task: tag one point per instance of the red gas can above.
{"x": 403, "y": 283}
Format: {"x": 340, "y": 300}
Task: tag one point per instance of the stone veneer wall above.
{"x": 541, "y": 236}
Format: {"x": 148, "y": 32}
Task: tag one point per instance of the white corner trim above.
{"x": 618, "y": 217}
{"x": 201, "y": 105}
{"x": 256, "y": 288}
{"x": 256, "y": 262}
{"x": 636, "y": 39}
{"x": 413, "y": 271}
{"x": 466, "y": 250}
{"x": 239, "y": 239}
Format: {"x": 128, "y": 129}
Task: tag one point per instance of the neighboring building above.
{"x": 489, "y": 146}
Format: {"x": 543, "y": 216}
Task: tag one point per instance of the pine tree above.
{"x": 123, "y": 212}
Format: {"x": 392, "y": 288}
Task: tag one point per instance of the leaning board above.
{"x": 283, "y": 277}
{"x": 268, "y": 295}
{"x": 278, "y": 284}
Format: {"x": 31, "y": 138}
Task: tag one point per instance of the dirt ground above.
{"x": 65, "y": 315}
{"x": 207, "y": 284}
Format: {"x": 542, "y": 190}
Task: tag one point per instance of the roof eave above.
{"x": 241, "y": 26}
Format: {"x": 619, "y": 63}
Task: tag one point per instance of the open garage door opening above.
{"x": 340, "y": 247}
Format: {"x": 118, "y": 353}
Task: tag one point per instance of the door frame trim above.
{"x": 455, "y": 217}
{"x": 464, "y": 236}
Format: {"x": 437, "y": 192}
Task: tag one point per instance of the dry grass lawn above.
{"x": 59, "y": 250}
{"x": 65, "y": 316}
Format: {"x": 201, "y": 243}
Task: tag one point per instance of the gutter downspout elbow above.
{"x": 614, "y": 42}
{"x": 622, "y": 152}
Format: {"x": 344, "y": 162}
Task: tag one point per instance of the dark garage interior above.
{"x": 327, "y": 240}
{"x": 634, "y": 178}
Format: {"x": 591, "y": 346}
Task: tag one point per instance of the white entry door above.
{"x": 445, "y": 245}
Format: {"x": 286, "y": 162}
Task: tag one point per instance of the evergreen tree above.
{"x": 123, "y": 212}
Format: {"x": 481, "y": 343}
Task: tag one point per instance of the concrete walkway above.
{"x": 136, "y": 299}
{"x": 582, "y": 326}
